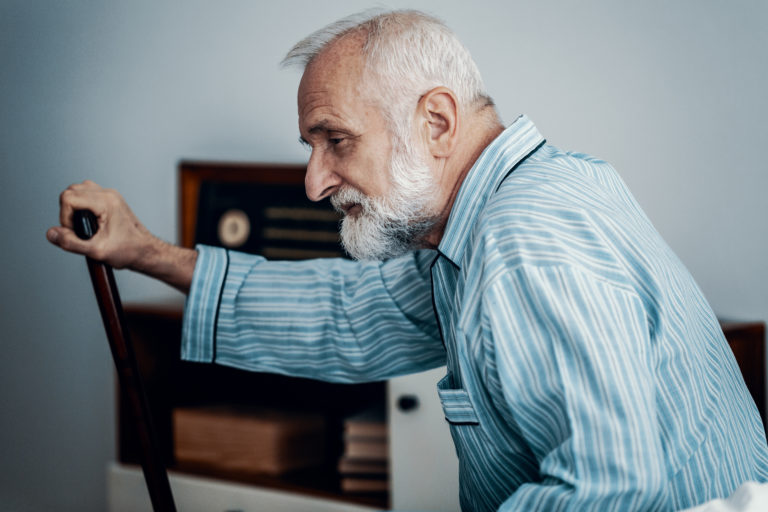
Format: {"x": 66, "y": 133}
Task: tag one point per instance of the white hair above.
{"x": 406, "y": 53}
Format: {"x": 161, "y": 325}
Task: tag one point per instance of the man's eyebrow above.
{"x": 318, "y": 127}
{"x": 322, "y": 126}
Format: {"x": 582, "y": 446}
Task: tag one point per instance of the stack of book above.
{"x": 364, "y": 466}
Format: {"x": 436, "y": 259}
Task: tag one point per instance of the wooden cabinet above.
{"x": 171, "y": 383}
{"x": 424, "y": 471}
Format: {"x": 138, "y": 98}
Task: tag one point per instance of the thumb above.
{"x": 66, "y": 239}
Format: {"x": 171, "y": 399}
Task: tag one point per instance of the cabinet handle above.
{"x": 408, "y": 403}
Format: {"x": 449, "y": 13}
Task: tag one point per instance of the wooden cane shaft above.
{"x": 111, "y": 309}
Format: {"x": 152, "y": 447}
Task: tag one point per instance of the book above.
{"x": 364, "y": 485}
{"x": 249, "y": 440}
{"x": 369, "y": 423}
{"x": 364, "y": 466}
{"x": 366, "y": 448}
{"x": 352, "y": 466}
{"x": 366, "y": 435}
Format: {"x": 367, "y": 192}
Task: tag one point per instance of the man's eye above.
{"x": 335, "y": 141}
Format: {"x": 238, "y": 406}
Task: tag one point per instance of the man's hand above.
{"x": 121, "y": 240}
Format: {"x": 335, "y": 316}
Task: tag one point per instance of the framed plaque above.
{"x": 255, "y": 208}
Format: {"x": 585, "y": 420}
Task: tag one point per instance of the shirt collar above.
{"x": 494, "y": 164}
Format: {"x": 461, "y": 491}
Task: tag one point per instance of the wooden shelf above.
{"x": 320, "y": 482}
{"x": 171, "y": 382}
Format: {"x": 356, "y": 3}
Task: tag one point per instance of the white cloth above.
{"x": 750, "y": 497}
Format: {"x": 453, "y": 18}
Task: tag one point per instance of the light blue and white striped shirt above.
{"x": 585, "y": 368}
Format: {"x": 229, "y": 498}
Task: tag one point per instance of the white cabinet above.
{"x": 424, "y": 468}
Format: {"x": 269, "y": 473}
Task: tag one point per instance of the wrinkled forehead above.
{"x": 338, "y": 69}
{"x": 333, "y": 87}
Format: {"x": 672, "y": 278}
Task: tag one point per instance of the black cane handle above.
{"x": 86, "y": 226}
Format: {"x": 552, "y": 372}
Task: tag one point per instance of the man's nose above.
{"x": 320, "y": 181}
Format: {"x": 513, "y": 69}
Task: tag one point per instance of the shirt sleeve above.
{"x": 573, "y": 358}
{"x": 329, "y": 319}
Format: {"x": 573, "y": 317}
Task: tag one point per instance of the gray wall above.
{"x": 672, "y": 93}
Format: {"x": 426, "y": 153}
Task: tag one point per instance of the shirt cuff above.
{"x": 198, "y": 333}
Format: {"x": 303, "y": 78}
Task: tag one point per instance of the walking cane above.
{"x": 127, "y": 370}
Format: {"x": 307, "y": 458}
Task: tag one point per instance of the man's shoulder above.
{"x": 545, "y": 179}
{"x": 550, "y": 208}
{"x": 551, "y": 178}
{"x": 550, "y": 165}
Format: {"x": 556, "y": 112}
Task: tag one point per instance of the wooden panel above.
{"x": 747, "y": 341}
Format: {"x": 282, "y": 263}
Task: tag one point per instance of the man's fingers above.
{"x": 117, "y": 226}
{"x": 65, "y": 208}
{"x": 68, "y": 240}
{"x": 80, "y": 196}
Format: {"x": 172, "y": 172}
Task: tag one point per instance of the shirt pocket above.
{"x": 457, "y": 407}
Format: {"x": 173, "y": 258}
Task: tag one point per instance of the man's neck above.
{"x": 480, "y": 129}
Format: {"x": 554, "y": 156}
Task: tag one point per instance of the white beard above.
{"x": 390, "y": 226}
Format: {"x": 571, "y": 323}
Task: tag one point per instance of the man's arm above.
{"x": 121, "y": 240}
{"x": 330, "y": 319}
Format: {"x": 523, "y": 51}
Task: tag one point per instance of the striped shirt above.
{"x": 585, "y": 368}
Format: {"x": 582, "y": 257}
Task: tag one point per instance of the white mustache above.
{"x": 349, "y": 195}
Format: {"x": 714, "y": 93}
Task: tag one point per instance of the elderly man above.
{"x": 585, "y": 368}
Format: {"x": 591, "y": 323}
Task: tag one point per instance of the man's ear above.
{"x": 438, "y": 113}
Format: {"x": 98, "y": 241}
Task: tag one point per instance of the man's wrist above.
{"x": 170, "y": 263}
